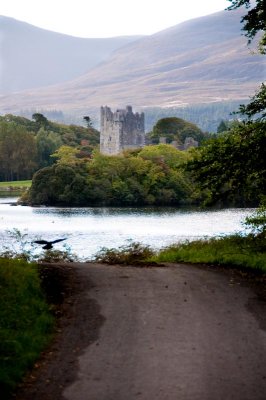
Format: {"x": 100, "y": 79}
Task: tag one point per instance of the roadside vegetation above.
{"x": 230, "y": 251}
{"x": 245, "y": 250}
{"x": 26, "y": 323}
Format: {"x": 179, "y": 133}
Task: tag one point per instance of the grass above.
{"x": 15, "y": 185}
{"x": 233, "y": 251}
{"x": 25, "y": 321}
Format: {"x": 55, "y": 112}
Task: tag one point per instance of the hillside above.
{"x": 200, "y": 61}
{"x": 32, "y": 57}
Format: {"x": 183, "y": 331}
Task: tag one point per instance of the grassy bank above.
{"x": 240, "y": 250}
{"x": 234, "y": 251}
{"x": 25, "y": 321}
{"x": 15, "y": 185}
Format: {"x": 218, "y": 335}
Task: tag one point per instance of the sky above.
{"x": 108, "y": 18}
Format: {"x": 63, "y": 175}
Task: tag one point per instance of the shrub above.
{"x": 26, "y": 322}
{"x": 134, "y": 253}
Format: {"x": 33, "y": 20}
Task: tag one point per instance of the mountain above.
{"x": 32, "y": 57}
{"x": 203, "y": 60}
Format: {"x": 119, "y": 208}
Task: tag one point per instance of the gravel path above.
{"x": 178, "y": 332}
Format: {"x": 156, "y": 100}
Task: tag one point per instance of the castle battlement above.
{"x": 121, "y": 130}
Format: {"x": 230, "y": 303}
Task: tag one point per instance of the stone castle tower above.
{"x": 121, "y": 130}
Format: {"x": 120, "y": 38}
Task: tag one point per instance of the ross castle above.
{"x": 121, "y": 130}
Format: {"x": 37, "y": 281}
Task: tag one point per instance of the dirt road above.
{"x": 169, "y": 333}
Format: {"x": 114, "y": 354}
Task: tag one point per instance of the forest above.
{"x": 227, "y": 169}
{"x": 26, "y": 145}
{"x": 148, "y": 176}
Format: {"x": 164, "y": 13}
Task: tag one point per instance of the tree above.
{"x": 18, "y": 152}
{"x": 222, "y": 127}
{"x": 231, "y": 169}
{"x": 138, "y": 178}
{"x": 173, "y": 128}
{"x": 47, "y": 143}
{"x": 88, "y": 121}
{"x": 40, "y": 120}
{"x": 255, "y": 19}
{"x": 67, "y": 155}
{"x": 257, "y": 105}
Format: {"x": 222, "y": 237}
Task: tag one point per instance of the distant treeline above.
{"x": 206, "y": 116}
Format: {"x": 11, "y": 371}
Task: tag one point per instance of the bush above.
{"x": 26, "y": 322}
{"x": 134, "y": 253}
{"x": 235, "y": 251}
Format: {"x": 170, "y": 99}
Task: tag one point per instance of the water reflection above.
{"x": 89, "y": 229}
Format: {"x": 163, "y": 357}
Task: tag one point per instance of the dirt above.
{"x": 78, "y": 323}
{"x": 111, "y": 319}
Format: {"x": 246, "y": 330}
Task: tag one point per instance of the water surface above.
{"x": 88, "y": 229}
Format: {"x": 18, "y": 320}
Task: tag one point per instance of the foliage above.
{"x": 257, "y": 105}
{"x": 167, "y": 154}
{"x": 173, "y": 128}
{"x": 55, "y": 256}
{"x": 238, "y": 250}
{"x": 230, "y": 251}
{"x": 26, "y": 322}
{"x": 47, "y": 143}
{"x": 231, "y": 168}
{"x": 151, "y": 176}
{"x": 58, "y": 184}
{"x": 67, "y": 155}
{"x": 257, "y": 224}
{"x": 255, "y": 19}
{"x": 206, "y": 116}
{"x": 222, "y": 127}
{"x": 18, "y": 152}
{"x": 40, "y": 120}
{"x": 26, "y": 146}
{"x": 134, "y": 253}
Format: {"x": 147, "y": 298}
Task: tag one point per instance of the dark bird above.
{"x": 48, "y": 245}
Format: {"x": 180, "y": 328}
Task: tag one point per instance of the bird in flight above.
{"x": 48, "y": 244}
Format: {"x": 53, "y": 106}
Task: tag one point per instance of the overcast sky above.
{"x": 106, "y": 18}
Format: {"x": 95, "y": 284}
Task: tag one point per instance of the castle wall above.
{"x": 121, "y": 130}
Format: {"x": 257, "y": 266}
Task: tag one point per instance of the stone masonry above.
{"x": 121, "y": 130}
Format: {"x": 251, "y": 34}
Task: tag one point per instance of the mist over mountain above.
{"x": 32, "y": 57}
{"x": 201, "y": 61}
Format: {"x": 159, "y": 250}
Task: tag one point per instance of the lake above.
{"x": 88, "y": 229}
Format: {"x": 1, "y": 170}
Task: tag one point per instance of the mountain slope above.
{"x": 31, "y": 57}
{"x": 199, "y": 61}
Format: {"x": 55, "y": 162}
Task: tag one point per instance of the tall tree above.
{"x": 232, "y": 169}
{"x": 40, "y": 120}
{"x": 17, "y": 152}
